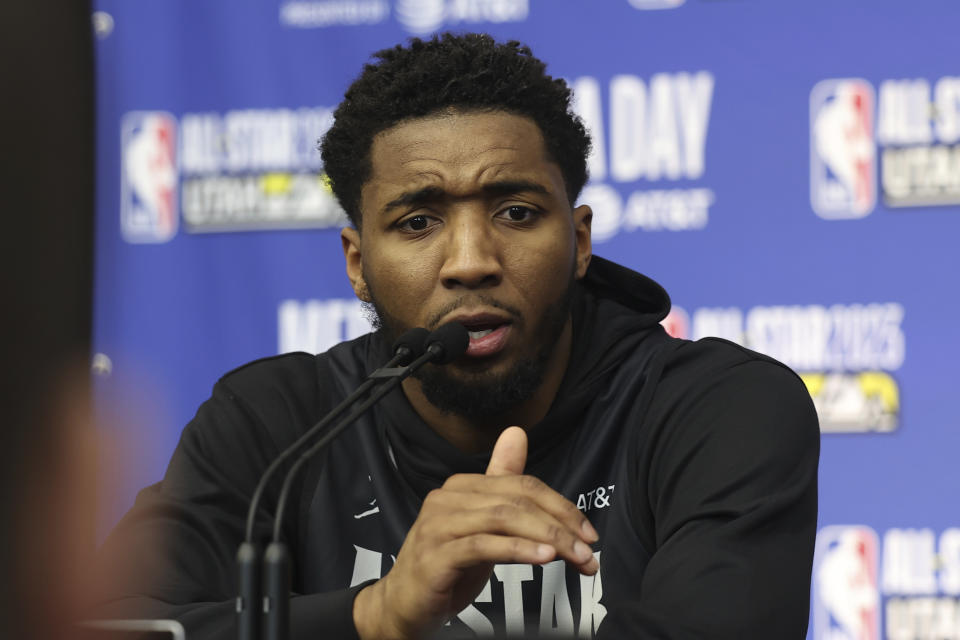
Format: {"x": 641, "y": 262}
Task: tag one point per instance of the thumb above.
{"x": 509, "y": 453}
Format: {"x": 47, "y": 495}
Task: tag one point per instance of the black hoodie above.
{"x": 695, "y": 462}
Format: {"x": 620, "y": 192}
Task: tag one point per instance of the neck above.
{"x": 472, "y": 435}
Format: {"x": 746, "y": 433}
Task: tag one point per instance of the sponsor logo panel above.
{"x": 919, "y": 127}
{"x": 846, "y": 354}
{"x": 239, "y": 170}
{"x": 906, "y": 589}
{"x": 648, "y": 135}
{"x": 148, "y": 177}
{"x": 911, "y": 125}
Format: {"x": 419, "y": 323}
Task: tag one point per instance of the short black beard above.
{"x": 481, "y": 395}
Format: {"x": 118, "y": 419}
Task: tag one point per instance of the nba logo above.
{"x": 843, "y": 152}
{"x": 846, "y": 599}
{"x": 148, "y": 177}
{"x": 677, "y": 323}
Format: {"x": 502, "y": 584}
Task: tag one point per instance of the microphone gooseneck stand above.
{"x": 249, "y": 605}
{"x": 442, "y": 346}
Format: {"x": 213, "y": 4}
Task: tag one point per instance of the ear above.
{"x": 350, "y": 239}
{"x": 582, "y": 219}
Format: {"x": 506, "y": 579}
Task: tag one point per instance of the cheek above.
{"x": 543, "y": 273}
{"x": 401, "y": 281}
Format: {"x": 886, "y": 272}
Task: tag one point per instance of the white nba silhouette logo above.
{"x": 148, "y": 185}
{"x": 842, "y": 149}
{"x": 846, "y": 601}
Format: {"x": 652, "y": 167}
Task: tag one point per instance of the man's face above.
{"x": 466, "y": 218}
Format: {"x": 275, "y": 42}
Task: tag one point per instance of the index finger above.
{"x": 509, "y": 453}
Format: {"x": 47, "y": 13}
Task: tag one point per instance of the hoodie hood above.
{"x": 614, "y": 310}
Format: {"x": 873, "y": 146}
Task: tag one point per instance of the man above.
{"x": 655, "y": 488}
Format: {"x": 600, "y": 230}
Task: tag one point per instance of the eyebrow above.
{"x": 433, "y": 194}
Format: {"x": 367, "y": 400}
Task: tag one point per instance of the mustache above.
{"x": 473, "y": 300}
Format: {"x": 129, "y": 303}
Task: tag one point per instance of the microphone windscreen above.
{"x": 448, "y": 343}
{"x": 415, "y": 341}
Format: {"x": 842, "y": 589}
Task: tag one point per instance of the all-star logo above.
{"x": 567, "y": 607}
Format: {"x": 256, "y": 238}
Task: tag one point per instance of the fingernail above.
{"x": 545, "y": 551}
{"x": 588, "y": 531}
{"x": 582, "y": 551}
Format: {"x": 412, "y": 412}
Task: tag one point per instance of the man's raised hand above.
{"x": 464, "y": 528}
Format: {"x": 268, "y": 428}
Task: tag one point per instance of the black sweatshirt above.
{"x": 695, "y": 461}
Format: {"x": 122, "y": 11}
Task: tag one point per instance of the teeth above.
{"x": 476, "y": 335}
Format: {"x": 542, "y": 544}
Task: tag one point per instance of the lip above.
{"x": 490, "y": 344}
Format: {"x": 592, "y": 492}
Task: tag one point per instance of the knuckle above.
{"x": 555, "y": 534}
{"x": 530, "y": 483}
{"x": 452, "y": 481}
{"x": 522, "y": 503}
{"x": 421, "y": 528}
{"x": 502, "y": 512}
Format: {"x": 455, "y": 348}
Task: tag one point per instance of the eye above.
{"x": 518, "y": 213}
{"x": 415, "y": 224}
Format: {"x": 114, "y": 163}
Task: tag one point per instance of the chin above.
{"x": 484, "y": 392}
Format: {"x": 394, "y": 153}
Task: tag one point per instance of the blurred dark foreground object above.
{"x": 46, "y": 518}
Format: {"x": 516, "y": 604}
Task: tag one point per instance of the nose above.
{"x": 471, "y": 253}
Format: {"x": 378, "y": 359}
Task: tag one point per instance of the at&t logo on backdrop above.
{"x": 842, "y": 149}
{"x": 656, "y": 4}
{"x": 419, "y": 17}
{"x": 649, "y": 151}
{"x": 148, "y": 177}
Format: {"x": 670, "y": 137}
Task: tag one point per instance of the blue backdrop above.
{"x": 789, "y": 171}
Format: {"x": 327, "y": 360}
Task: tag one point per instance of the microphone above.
{"x": 443, "y": 346}
{"x": 409, "y": 346}
{"x": 448, "y": 343}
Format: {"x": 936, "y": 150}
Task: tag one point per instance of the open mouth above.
{"x": 476, "y": 334}
{"x": 486, "y": 338}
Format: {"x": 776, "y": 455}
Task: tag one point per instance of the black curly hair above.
{"x": 469, "y": 72}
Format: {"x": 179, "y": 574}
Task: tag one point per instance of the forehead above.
{"x": 458, "y": 152}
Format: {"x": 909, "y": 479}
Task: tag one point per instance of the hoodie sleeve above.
{"x": 173, "y": 555}
{"x": 729, "y": 463}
